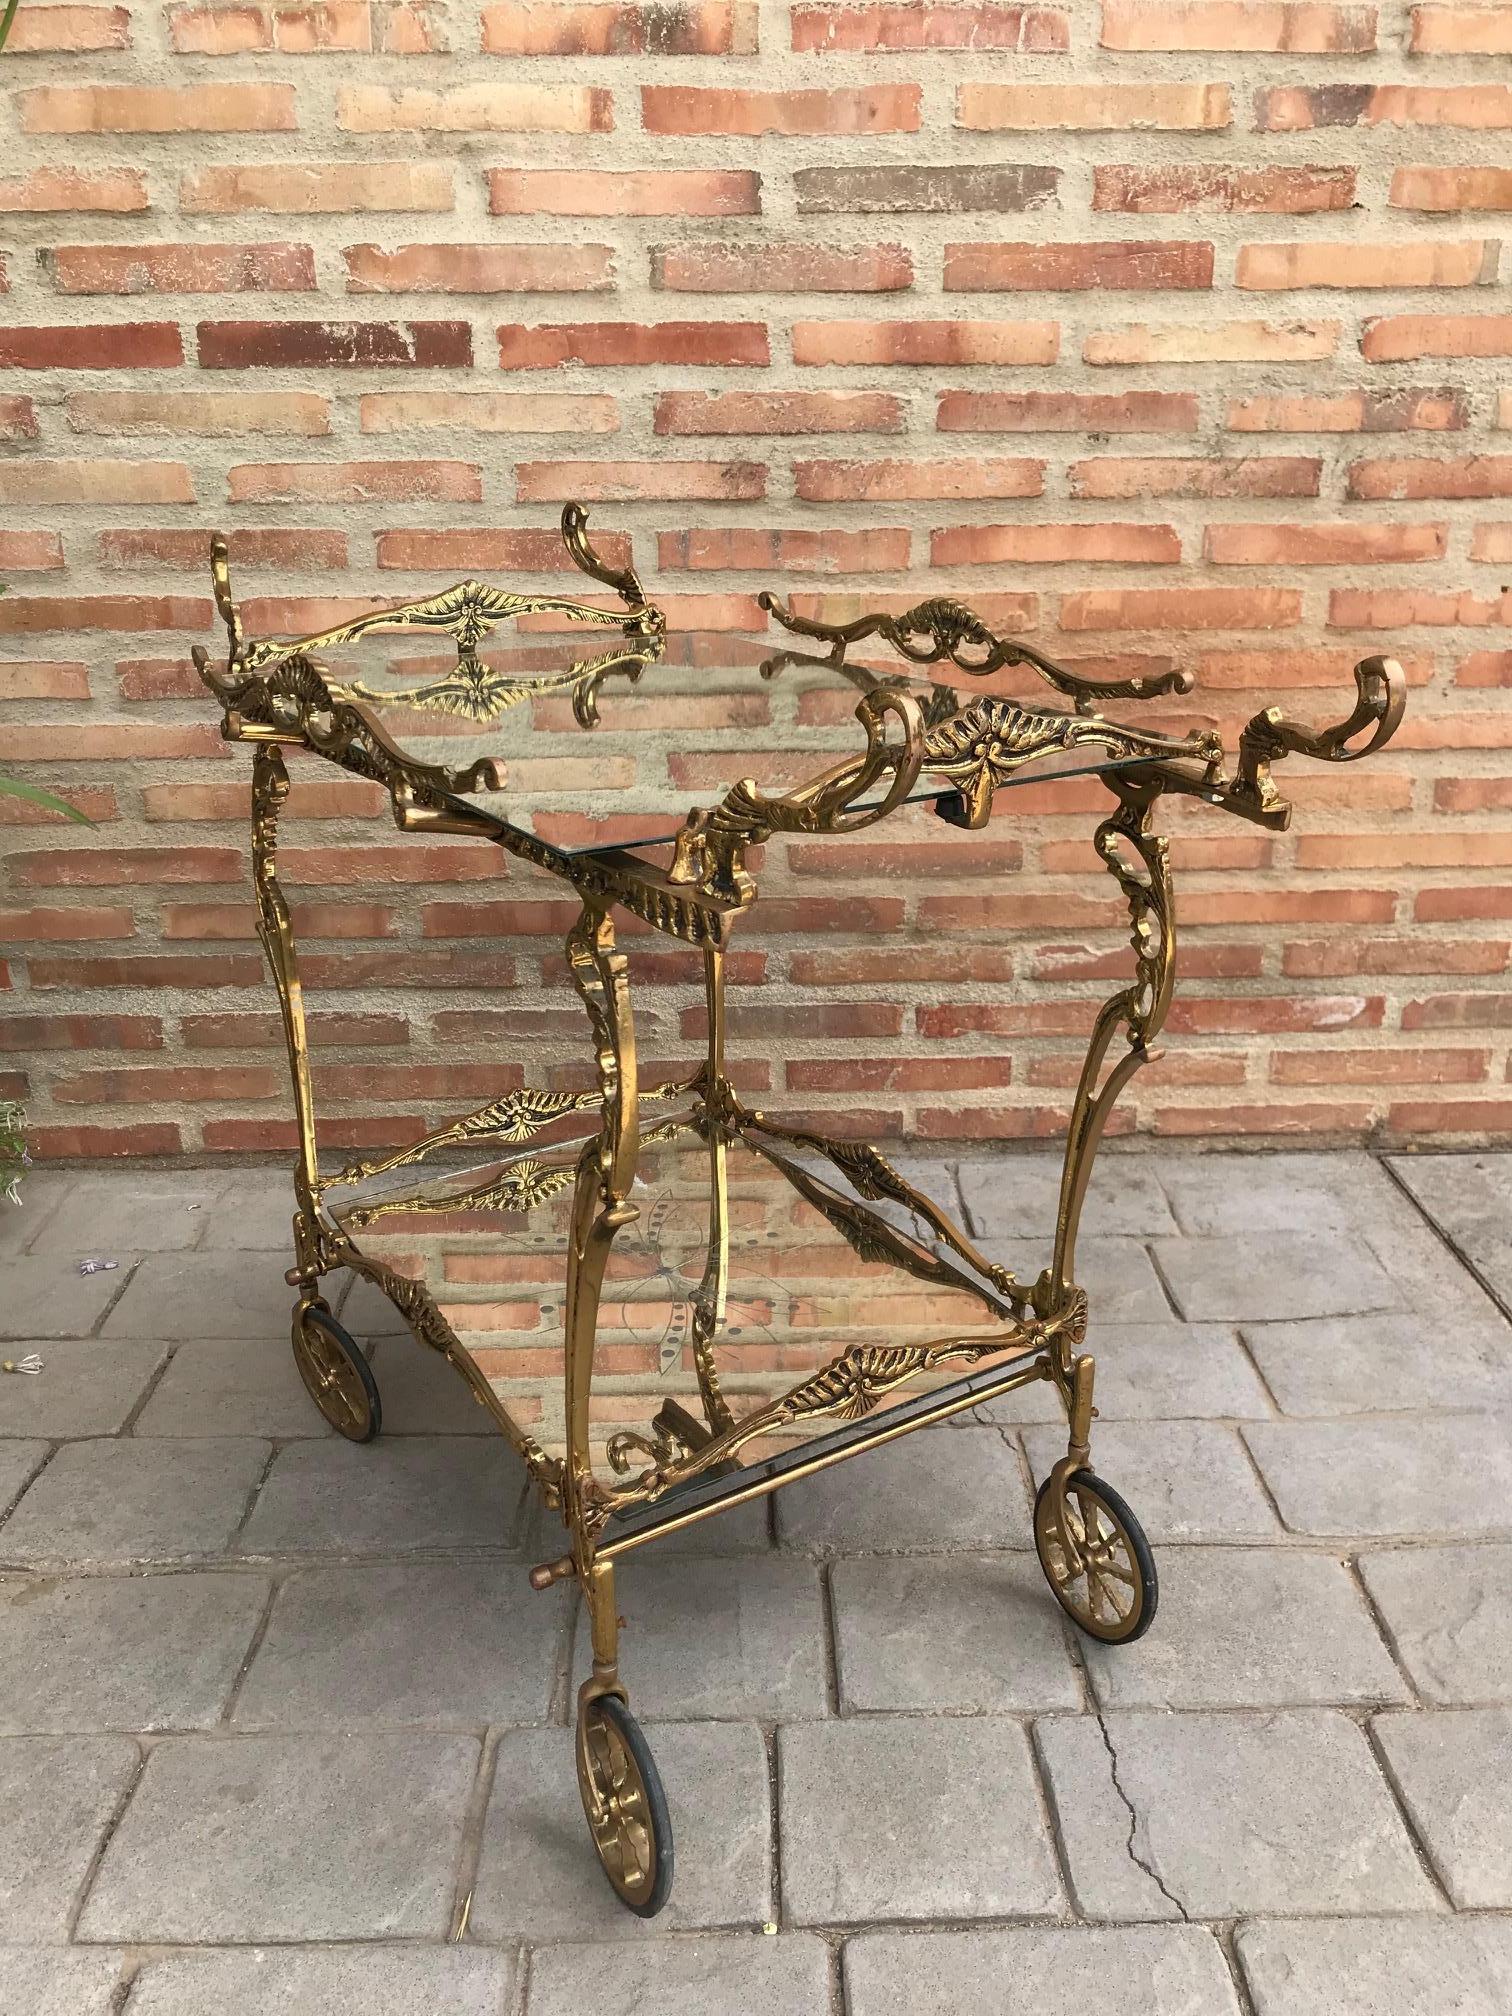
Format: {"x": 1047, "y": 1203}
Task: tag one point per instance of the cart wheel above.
{"x": 336, "y": 1374}
{"x": 625, "y": 1804}
{"x": 1112, "y": 1589}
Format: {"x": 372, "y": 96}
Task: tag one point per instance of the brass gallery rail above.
{"x": 920, "y": 739}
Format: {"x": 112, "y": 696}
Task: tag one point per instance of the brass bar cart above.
{"x": 710, "y": 1445}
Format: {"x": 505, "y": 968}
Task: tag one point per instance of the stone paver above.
{"x": 439, "y": 1643}
{"x": 1273, "y": 1277}
{"x": 1378, "y": 1966}
{"x": 1469, "y": 1197}
{"x": 896, "y": 1817}
{"x": 941, "y": 1488}
{"x": 1283, "y": 1812}
{"x": 182, "y": 1295}
{"x": 1225, "y": 1194}
{"x": 414, "y": 1492}
{"x": 158, "y": 1211}
{"x": 1182, "y": 1480}
{"x": 123, "y": 1652}
{"x": 1446, "y": 1474}
{"x": 253, "y": 1212}
{"x": 84, "y": 1388}
{"x": 1145, "y": 1970}
{"x": 1169, "y": 1371}
{"x": 232, "y": 1386}
{"x": 1449, "y": 1612}
{"x": 1454, "y": 1770}
{"x": 1249, "y": 1628}
{"x": 58, "y": 1795}
{"x": 46, "y": 1296}
{"x": 539, "y": 1879}
{"x": 38, "y": 1981}
{"x": 19, "y": 1463}
{"x": 331, "y": 1981}
{"x": 1382, "y": 1364}
{"x": 709, "y": 1976}
{"x": 1122, "y": 1286}
{"x": 1022, "y": 1193}
{"x": 421, "y": 1393}
{"x": 977, "y": 1634}
{"x": 21, "y": 1220}
{"x": 126, "y": 1501}
{"x": 287, "y": 1837}
{"x": 746, "y": 1644}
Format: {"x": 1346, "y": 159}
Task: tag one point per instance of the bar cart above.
{"x": 708, "y": 1438}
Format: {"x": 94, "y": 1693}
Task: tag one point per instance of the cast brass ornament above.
{"x": 716, "y": 1440}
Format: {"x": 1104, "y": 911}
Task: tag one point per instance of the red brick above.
{"x": 478, "y": 269}
{"x": 1317, "y": 544}
{"x": 488, "y": 412}
{"x": 43, "y": 679}
{"x": 82, "y": 481}
{"x": 893, "y": 189}
{"x": 951, "y": 342}
{"x": 1452, "y": 188}
{"x": 80, "y": 1032}
{"x": 560, "y": 482}
{"x": 355, "y": 482}
{"x": 158, "y": 1137}
{"x": 1211, "y": 343}
{"x": 77, "y": 922}
{"x": 632, "y": 344}
{"x": 1116, "y": 263}
{"x": 1436, "y": 262}
{"x": 1296, "y": 27}
{"x": 778, "y": 413}
{"x": 1485, "y": 668}
{"x": 822, "y": 26}
{"x": 871, "y": 108}
{"x": 1093, "y": 108}
{"x": 30, "y": 552}
{"x": 1404, "y": 409}
{"x": 1178, "y": 476}
{"x": 475, "y": 108}
{"x": 70, "y": 30}
{"x": 1316, "y": 1117}
{"x": 114, "y": 190}
{"x": 122, "y": 867}
{"x": 236, "y": 346}
{"x": 879, "y": 550}
{"x": 1067, "y": 413}
{"x": 622, "y": 28}
{"x": 833, "y": 482}
{"x": 18, "y": 417}
{"x": 1459, "y": 1011}
{"x": 205, "y": 413}
{"x": 139, "y": 108}
{"x": 112, "y": 346}
{"x": 255, "y": 547}
{"x": 1450, "y": 1116}
{"x": 1050, "y": 545}
{"x": 1181, "y": 609}
{"x": 181, "y": 269}
{"x": 1391, "y": 608}
{"x": 1168, "y": 189}
{"x": 1297, "y": 108}
{"x": 712, "y": 268}
{"x": 1410, "y": 476}
{"x": 311, "y": 188}
{"x": 1461, "y": 31}
{"x": 572, "y": 192}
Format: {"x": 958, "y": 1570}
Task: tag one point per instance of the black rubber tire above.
{"x": 614, "y": 1710}
{"x": 1139, "y": 1546}
{"x": 316, "y": 1316}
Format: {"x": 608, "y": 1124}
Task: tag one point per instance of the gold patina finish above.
{"x": 960, "y": 753}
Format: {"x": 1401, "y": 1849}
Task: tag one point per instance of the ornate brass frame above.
{"x": 276, "y": 695}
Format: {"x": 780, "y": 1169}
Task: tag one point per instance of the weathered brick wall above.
{"x": 1158, "y": 330}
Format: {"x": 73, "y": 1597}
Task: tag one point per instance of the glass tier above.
{"x": 489, "y": 1242}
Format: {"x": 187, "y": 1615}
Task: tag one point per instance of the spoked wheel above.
{"x": 336, "y": 1374}
{"x": 1105, "y": 1580}
{"x": 625, "y": 1804}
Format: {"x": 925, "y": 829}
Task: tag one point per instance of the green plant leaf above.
{"x": 6, "y": 19}
{"x": 12, "y": 787}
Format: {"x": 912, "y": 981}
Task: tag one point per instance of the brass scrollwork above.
{"x": 1381, "y": 700}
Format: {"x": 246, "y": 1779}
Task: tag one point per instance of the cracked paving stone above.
{"x": 1273, "y": 1277}
{"x": 329, "y": 1981}
{"x": 441, "y": 1643}
{"x": 36, "y": 1981}
{"x": 138, "y": 1652}
{"x": 1436, "y": 1476}
{"x": 1147, "y": 1970}
{"x": 1449, "y": 1612}
{"x": 248, "y": 1838}
{"x": 19, "y": 1463}
{"x": 1383, "y": 1364}
{"x": 21, "y": 1220}
{"x": 944, "y": 1487}
{"x": 897, "y": 1817}
{"x": 58, "y": 1795}
{"x": 1378, "y": 1966}
{"x": 972, "y": 1633}
{"x": 178, "y": 1296}
{"x": 692, "y": 1976}
{"x": 1453, "y": 1768}
{"x": 539, "y": 1878}
{"x": 127, "y": 1501}
{"x": 1219, "y": 1816}
{"x": 1168, "y": 1371}
{"x": 1182, "y": 1480}
{"x": 1261, "y": 1627}
{"x": 741, "y": 1641}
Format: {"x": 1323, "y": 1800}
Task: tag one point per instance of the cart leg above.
{"x": 1092, "y": 1548}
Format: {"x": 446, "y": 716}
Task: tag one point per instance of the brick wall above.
{"x": 1160, "y": 331}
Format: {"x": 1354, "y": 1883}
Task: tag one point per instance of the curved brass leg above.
{"x": 709, "y": 1298}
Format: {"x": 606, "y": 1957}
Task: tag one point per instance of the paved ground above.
{"x": 272, "y": 1707}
